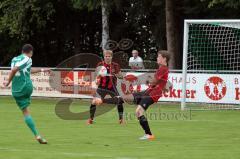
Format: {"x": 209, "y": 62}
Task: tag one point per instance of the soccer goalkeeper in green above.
{"x": 22, "y": 87}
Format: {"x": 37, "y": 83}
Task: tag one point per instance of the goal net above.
{"x": 211, "y": 56}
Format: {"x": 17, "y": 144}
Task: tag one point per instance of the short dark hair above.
{"x": 165, "y": 54}
{"x": 27, "y": 48}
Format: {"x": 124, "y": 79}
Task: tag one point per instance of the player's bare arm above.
{"x": 152, "y": 81}
{"x": 167, "y": 86}
{"x": 11, "y": 75}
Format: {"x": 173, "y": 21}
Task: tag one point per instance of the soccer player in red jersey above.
{"x": 107, "y": 85}
{"x": 152, "y": 94}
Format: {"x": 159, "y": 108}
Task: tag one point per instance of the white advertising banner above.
{"x": 202, "y": 88}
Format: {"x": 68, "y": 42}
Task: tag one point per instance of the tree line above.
{"x": 59, "y": 29}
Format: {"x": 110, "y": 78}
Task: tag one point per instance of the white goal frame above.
{"x": 185, "y": 49}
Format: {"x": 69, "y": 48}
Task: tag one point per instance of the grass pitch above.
{"x": 179, "y": 135}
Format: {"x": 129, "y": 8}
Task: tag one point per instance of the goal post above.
{"x": 211, "y": 54}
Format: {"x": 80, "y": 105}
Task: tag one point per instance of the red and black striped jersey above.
{"x": 107, "y": 82}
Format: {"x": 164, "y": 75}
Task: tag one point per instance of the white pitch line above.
{"x": 61, "y": 153}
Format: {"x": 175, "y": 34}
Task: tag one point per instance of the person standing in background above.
{"x": 136, "y": 62}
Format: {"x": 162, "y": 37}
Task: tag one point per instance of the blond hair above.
{"x": 107, "y": 52}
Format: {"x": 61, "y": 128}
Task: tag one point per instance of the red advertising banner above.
{"x": 85, "y": 82}
{"x": 67, "y": 82}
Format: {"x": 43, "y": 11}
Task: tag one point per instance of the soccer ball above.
{"x": 101, "y": 71}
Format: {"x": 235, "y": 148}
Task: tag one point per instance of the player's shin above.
{"x": 120, "y": 111}
{"x": 144, "y": 123}
{"x": 143, "y": 120}
{"x": 92, "y": 111}
{"x": 120, "y": 108}
{"x": 30, "y": 123}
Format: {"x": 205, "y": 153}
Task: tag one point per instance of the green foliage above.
{"x": 145, "y": 26}
{"x": 61, "y": 28}
{"x": 21, "y": 17}
{"x": 226, "y": 3}
{"x": 96, "y": 4}
{"x": 89, "y": 4}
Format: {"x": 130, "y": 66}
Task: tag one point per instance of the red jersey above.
{"x": 109, "y": 81}
{"x": 155, "y": 91}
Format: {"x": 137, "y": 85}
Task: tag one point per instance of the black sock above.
{"x": 92, "y": 111}
{"x": 144, "y": 123}
{"x": 120, "y": 111}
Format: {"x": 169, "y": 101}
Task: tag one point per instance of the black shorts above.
{"x": 115, "y": 98}
{"x": 143, "y": 99}
{"x": 102, "y": 92}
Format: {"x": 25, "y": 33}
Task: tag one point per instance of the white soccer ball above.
{"x": 101, "y": 71}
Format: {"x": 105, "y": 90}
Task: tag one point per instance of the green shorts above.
{"x": 23, "y": 98}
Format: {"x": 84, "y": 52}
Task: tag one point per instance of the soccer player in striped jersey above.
{"x": 22, "y": 86}
{"x": 107, "y": 86}
{"x": 152, "y": 94}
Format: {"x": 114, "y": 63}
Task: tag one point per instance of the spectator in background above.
{"x": 136, "y": 62}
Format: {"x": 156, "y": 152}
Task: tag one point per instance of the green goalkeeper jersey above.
{"x": 22, "y": 77}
